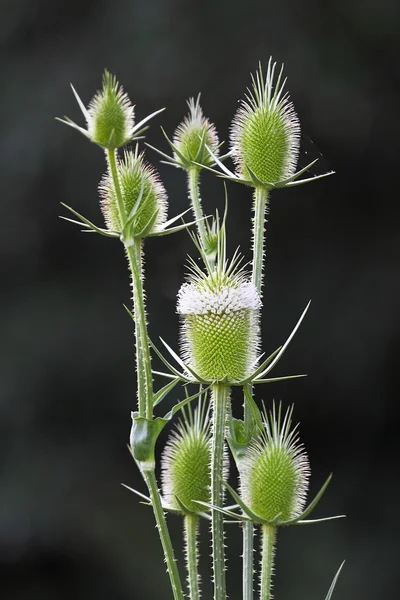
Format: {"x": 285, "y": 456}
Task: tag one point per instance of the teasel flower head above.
{"x": 265, "y": 133}
{"x": 185, "y": 462}
{"x": 220, "y": 321}
{"x": 275, "y": 473}
{"x": 143, "y": 194}
{"x": 109, "y": 116}
{"x": 193, "y": 136}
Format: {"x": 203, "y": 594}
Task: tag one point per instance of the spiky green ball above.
{"x": 186, "y": 466}
{"x": 220, "y": 334}
{"x": 265, "y": 132}
{"x": 137, "y": 180}
{"x": 193, "y": 135}
{"x": 111, "y": 115}
{"x": 274, "y": 477}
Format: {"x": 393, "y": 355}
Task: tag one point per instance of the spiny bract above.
{"x": 192, "y": 135}
{"x": 265, "y": 132}
{"x": 138, "y": 182}
{"x": 220, "y": 329}
{"x": 186, "y": 463}
{"x": 274, "y": 478}
{"x": 111, "y": 115}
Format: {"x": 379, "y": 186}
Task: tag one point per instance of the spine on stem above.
{"x": 267, "y": 561}
{"x": 191, "y": 528}
{"x": 220, "y": 397}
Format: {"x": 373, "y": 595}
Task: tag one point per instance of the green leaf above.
{"x": 88, "y": 223}
{"x": 243, "y": 506}
{"x": 160, "y": 395}
{"x": 311, "y": 506}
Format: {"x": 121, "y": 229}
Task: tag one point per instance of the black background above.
{"x": 67, "y": 527}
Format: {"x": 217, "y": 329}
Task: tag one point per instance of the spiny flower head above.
{"x": 192, "y": 136}
{"x": 143, "y": 194}
{"x": 275, "y": 473}
{"x": 109, "y": 116}
{"x": 220, "y": 322}
{"x": 186, "y": 462}
{"x": 265, "y": 132}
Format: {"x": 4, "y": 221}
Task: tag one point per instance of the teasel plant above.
{"x": 219, "y": 306}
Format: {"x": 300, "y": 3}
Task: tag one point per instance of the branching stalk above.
{"x": 145, "y": 381}
{"x": 220, "y": 396}
{"x": 267, "y": 561}
{"x": 191, "y": 528}
{"x": 170, "y": 560}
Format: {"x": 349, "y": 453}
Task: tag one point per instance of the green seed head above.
{"x": 275, "y": 473}
{"x": 265, "y": 132}
{"x": 186, "y": 463}
{"x": 193, "y": 135}
{"x": 110, "y": 115}
{"x": 220, "y": 330}
{"x": 142, "y": 193}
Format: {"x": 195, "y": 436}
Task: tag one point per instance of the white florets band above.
{"x": 192, "y": 300}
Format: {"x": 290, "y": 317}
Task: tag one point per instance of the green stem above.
{"x": 267, "y": 561}
{"x": 135, "y": 260}
{"x": 141, "y": 385}
{"x": 220, "y": 396}
{"x": 191, "y": 527}
{"x": 194, "y": 193}
{"x": 134, "y": 253}
{"x": 112, "y": 163}
{"x": 164, "y": 535}
{"x": 260, "y": 206}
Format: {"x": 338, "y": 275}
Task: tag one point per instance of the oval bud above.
{"x": 220, "y": 331}
{"x": 265, "y": 132}
{"x": 186, "y": 463}
{"x": 111, "y": 115}
{"x": 275, "y": 473}
{"x": 193, "y": 135}
{"x": 144, "y": 196}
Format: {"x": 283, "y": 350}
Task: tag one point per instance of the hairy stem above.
{"x": 144, "y": 363}
{"x": 220, "y": 396}
{"x": 170, "y": 560}
{"x": 194, "y": 193}
{"x": 134, "y": 254}
{"x": 191, "y": 527}
{"x": 267, "y": 561}
{"x": 260, "y": 206}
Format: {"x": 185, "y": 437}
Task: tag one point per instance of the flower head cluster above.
{"x": 220, "y": 329}
{"x": 275, "y": 473}
{"x": 265, "y": 132}
{"x": 186, "y": 461}
{"x": 143, "y": 195}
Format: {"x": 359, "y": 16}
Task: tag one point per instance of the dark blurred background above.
{"x": 67, "y": 385}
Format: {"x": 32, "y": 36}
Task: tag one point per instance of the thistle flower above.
{"x": 220, "y": 329}
{"x": 109, "y": 116}
{"x": 265, "y": 132}
{"x": 275, "y": 473}
{"x": 143, "y": 194}
{"x": 186, "y": 463}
